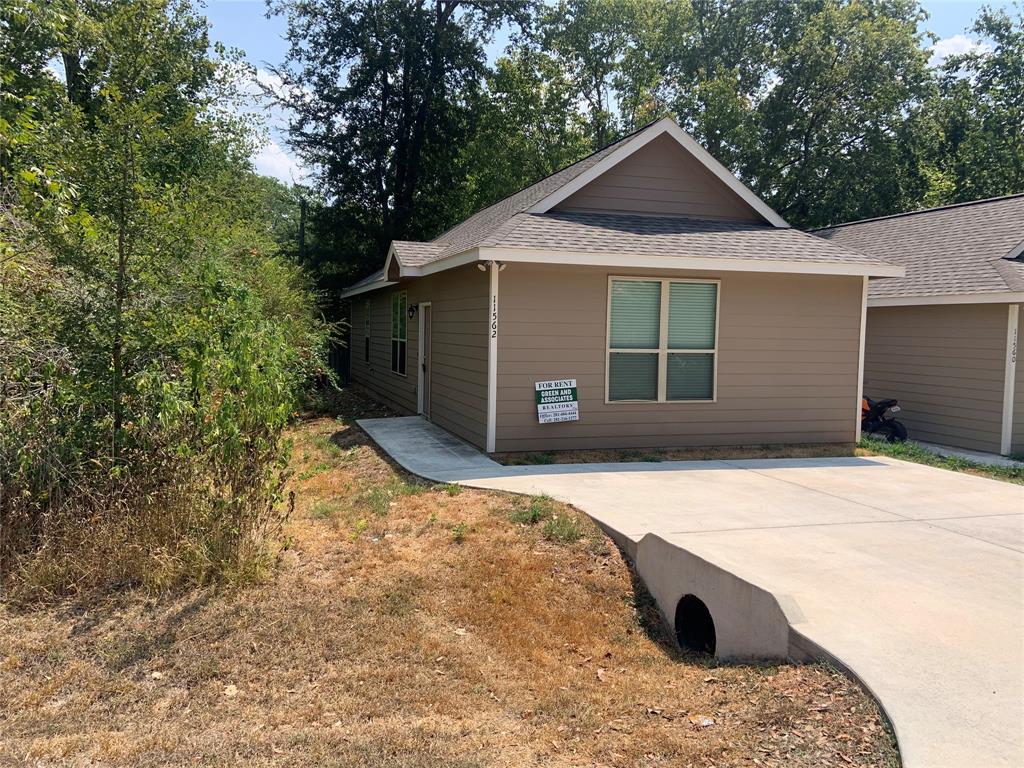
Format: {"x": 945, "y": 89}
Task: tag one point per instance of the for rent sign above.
{"x": 557, "y": 401}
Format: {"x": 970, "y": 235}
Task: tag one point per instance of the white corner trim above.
{"x": 687, "y": 142}
{"x": 1009, "y": 376}
{"x": 714, "y": 264}
{"x": 1011, "y": 297}
{"x": 492, "y": 357}
{"x": 860, "y": 353}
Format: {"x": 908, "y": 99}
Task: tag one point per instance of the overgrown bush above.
{"x": 188, "y": 486}
{"x": 153, "y": 345}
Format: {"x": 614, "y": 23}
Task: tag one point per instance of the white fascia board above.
{"x": 713, "y": 264}
{"x": 669, "y": 126}
{"x": 387, "y": 262}
{"x": 368, "y": 287}
{"x": 1011, "y": 297}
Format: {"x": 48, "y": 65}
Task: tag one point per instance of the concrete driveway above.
{"x": 909, "y": 576}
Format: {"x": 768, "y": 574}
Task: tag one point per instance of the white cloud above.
{"x": 954, "y": 46}
{"x": 273, "y": 160}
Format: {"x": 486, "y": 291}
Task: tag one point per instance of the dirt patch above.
{"x": 409, "y": 625}
{"x": 615, "y": 455}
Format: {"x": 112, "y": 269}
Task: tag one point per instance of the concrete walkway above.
{"x": 978, "y": 457}
{"x": 911, "y": 577}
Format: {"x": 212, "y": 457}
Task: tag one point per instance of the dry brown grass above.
{"x": 707, "y": 453}
{"x": 408, "y": 625}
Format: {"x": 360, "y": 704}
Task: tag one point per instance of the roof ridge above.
{"x": 922, "y": 210}
{"x": 547, "y": 176}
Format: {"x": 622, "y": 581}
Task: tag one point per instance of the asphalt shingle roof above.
{"x": 957, "y": 249}
{"x": 469, "y": 233}
{"x": 413, "y": 254}
{"x": 507, "y": 224}
{"x": 666, "y": 236}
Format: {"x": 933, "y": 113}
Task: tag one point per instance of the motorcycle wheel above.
{"x": 891, "y": 432}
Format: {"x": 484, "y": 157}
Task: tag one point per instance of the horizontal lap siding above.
{"x": 787, "y": 365}
{"x": 945, "y": 364}
{"x": 660, "y": 178}
{"x": 459, "y": 344}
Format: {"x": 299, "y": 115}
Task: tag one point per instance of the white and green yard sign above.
{"x": 557, "y": 401}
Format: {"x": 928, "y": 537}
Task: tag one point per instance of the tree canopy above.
{"x": 828, "y": 109}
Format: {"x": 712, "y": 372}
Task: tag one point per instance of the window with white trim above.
{"x": 399, "y": 331}
{"x": 366, "y": 331}
{"x": 662, "y": 339}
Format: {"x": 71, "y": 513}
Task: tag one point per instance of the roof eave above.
{"x": 706, "y": 263}
{"x": 991, "y": 297}
{"x": 377, "y": 284}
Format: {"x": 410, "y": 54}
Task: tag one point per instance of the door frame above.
{"x": 421, "y": 344}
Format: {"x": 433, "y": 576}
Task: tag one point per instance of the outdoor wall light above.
{"x": 412, "y": 310}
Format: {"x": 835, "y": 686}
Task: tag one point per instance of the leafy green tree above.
{"x": 528, "y": 127}
{"x": 717, "y": 63}
{"x": 152, "y": 342}
{"x": 383, "y": 95}
{"x": 978, "y": 114}
{"x": 835, "y": 143}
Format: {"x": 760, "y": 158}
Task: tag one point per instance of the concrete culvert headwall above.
{"x": 710, "y": 609}
{"x": 695, "y": 627}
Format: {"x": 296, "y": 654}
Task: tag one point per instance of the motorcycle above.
{"x": 877, "y": 420}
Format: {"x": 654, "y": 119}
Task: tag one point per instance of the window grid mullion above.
{"x": 663, "y": 343}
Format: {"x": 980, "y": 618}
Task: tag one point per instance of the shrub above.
{"x": 533, "y": 511}
{"x": 563, "y": 529}
{"x": 459, "y": 531}
{"x": 153, "y": 344}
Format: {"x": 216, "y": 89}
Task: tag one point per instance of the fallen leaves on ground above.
{"x": 385, "y": 640}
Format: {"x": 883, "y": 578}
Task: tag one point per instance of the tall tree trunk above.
{"x": 120, "y": 298}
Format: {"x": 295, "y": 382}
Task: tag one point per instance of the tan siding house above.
{"x": 787, "y": 345}
{"x": 943, "y": 339}
{"x": 457, "y": 368}
{"x": 675, "y": 306}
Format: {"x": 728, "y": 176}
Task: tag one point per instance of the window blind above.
{"x": 633, "y": 376}
{"x": 635, "y": 314}
{"x": 691, "y": 315}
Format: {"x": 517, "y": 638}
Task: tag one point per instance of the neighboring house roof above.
{"x": 527, "y": 227}
{"x": 965, "y": 250}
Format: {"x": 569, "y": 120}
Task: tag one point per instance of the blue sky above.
{"x": 242, "y": 24}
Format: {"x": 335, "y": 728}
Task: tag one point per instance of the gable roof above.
{"x": 526, "y": 222}
{"x": 551, "y": 190}
{"x": 965, "y": 250}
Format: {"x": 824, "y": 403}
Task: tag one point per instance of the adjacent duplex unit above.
{"x": 641, "y": 297}
{"x": 944, "y": 339}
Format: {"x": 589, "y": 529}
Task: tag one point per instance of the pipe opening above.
{"x": 695, "y": 629}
